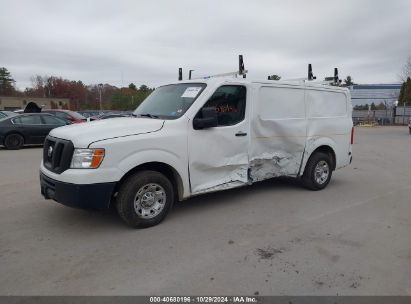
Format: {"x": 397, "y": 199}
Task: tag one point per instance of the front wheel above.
{"x": 145, "y": 198}
{"x": 317, "y": 173}
{"x": 14, "y": 141}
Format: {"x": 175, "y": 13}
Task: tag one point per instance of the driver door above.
{"x": 218, "y": 156}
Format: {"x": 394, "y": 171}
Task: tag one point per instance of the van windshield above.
{"x": 170, "y": 101}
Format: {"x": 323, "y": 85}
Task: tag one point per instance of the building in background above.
{"x": 16, "y": 103}
{"x": 362, "y": 94}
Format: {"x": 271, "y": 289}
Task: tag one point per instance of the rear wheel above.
{"x": 14, "y": 141}
{"x": 318, "y": 171}
{"x": 145, "y": 198}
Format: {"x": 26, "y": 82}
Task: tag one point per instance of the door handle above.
{"x": 241, "y": 134}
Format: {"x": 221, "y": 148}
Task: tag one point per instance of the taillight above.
{"x": 352, "y": 135}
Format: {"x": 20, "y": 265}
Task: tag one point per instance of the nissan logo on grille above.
{"x": 57, "y": 154}
{"x": 50, "y": 151}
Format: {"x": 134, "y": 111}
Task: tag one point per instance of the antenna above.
{"x": 310, "y": 72}
{"x": 180, "y": 74}
{"x": 189, "y": 74}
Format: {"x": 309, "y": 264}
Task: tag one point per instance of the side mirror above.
{"x": 208, "y": 119}
{"x": 204, "y": 123}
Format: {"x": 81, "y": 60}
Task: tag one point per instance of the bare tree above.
{"x": 406, "y": 70}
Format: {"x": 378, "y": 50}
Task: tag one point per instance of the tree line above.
{"x": 372, "y": 107}
{"x": 405, "y": 75}
{"x": 82, "y": 96}
{"x": 405, "y": 93}
{"x": 127, "y": 98}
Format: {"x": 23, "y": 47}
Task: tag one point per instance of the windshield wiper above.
{"x": 147, "y": 115}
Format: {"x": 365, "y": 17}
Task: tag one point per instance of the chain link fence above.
{"x": 394, "y": 116}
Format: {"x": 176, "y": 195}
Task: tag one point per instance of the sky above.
{"x": 145, "y": 42}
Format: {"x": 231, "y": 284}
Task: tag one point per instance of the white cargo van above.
{"x": 199, "y": 136}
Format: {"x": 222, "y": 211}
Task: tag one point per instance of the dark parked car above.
{"x": 27, "y": 129}
{"x": 72, "y": 116}
{"x": 4, "y": 114}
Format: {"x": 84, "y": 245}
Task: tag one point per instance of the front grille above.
{"x": 57, "y": 154}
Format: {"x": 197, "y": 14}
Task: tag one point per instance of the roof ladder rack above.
{"x": 335, "y": 80}
{"x": 310, "y": 75}
{"x": 241, "y": 71}
{"x": 310, "y": 72}
{"x": 180, "y": 74}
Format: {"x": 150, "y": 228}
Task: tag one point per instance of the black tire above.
{"x": 409, "y": 130}
{"x": 309, "y": 178}
{"x": 128, "y": 191}
{"x": 13, "y": 141}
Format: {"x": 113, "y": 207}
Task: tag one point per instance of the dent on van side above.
{"x": 286, "y": 124}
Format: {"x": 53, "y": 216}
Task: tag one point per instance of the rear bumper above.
{"x": 84, "y": 196}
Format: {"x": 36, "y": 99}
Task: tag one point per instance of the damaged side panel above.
{"x": 284, "y": 124}
{"x": 278, "y": 133}
{"x": 218, "y": 157}
{"x": 218, "y": 176}
{"x": 275, "y": 128}
{"x": 271, "y": 165}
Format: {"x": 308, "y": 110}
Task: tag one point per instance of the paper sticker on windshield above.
{"x": 191, "y": 92}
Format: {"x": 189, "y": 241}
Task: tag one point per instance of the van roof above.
{"x": 294, "y": 83}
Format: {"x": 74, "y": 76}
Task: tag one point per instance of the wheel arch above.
{"x": 324, "y": 147}
{"x": 171, "y": 173}
{"x": 327, "y": 150}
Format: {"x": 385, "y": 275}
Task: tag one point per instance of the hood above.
{"x": 84, "y": 134}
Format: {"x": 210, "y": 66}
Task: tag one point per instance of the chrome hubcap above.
{"x": 321, "y": 172}
{"x": 149, "y": 200}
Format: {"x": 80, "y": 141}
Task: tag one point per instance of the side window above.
{"x": 48, "y": 120}
{"x": 17, "y": 120}
{"x": 28, "y": 120}
{"x": 62, "y": 115}
{"x": 229, "y": 103}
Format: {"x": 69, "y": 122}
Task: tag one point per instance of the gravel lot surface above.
{"x": 274, "y": 238}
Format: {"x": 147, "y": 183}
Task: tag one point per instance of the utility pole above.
{"x": 100, "y": 88}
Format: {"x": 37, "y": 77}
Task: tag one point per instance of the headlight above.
{"x": 87, "y": 158}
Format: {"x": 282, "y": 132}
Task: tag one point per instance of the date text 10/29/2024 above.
{"x": 205, "y": 299}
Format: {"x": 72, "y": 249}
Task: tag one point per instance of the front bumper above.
{"x": 84, "y": 196}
